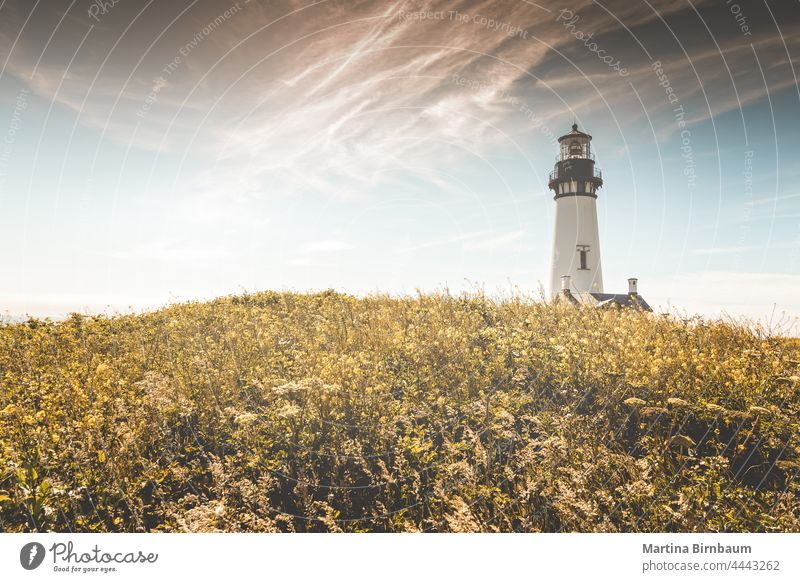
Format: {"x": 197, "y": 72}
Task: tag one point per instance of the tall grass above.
{"x": 325, "y": 412}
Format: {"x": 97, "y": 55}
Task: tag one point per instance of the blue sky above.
{"x": 193, "y": 149}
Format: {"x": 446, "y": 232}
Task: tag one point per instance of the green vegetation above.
{"x": 325, "y": 412}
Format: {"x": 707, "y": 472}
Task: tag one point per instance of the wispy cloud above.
{"x": 168, "y": 251}
{"x": 724, "y": 250}
{"x": 483, "y": 240}
{"x": 326, "y": 246}
{"x": 499, "y": 242}
{"x": 443, "y": 241}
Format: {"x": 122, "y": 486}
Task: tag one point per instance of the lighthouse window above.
{"x": 583, "y": 250}
{"x": 575, "y": 149}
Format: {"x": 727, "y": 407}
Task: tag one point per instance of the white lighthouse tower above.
{"x": 576, "y": 240}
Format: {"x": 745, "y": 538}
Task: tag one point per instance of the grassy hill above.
{"x": 325, "y": 412}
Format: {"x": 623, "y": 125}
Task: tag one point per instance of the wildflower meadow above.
{"x": 286, "y": 412}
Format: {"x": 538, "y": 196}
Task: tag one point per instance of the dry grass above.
{"x": 289, "y": 412}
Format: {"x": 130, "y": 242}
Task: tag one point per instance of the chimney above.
{"x": 565, "y": 284}
{"x": 633, "y": 286}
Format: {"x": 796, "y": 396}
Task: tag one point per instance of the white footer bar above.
{"x": 407, "y": 557}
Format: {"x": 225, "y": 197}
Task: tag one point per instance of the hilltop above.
{"x": 326, "y": 412}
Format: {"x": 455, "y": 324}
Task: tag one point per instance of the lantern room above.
{"x": 575, "y": 173}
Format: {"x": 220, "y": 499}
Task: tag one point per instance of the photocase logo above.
{"x": 31, "y": 555}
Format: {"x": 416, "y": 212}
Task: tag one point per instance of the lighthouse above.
{"x": 576, "y": 274}
{"x": 576, "y": 240}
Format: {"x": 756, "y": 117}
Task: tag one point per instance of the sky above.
{"x": 153, "y": 152}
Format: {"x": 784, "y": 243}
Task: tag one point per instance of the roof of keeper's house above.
{"x": 606, "y": 300}
{"x": 635, "y": 301}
